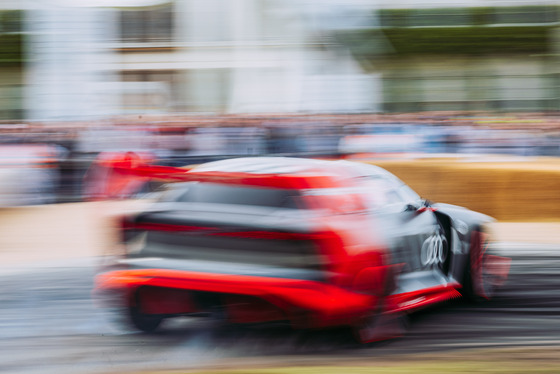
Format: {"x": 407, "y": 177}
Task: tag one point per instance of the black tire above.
{"x": 139, "y": 320}
{"x": 147, "y": 323}
{"x": 478, "y": 285}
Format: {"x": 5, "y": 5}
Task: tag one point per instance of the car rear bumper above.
{"x": 305, "y": 303}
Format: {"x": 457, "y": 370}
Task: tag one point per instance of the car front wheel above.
{"x": 485, "y": 270}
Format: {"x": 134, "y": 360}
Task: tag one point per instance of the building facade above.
{"x": 187, "y": 56}
{"x": 476, "y": 55}
{"x": 63, "y": 59}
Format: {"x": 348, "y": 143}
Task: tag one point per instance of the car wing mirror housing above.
{"x": 411, "y": 208}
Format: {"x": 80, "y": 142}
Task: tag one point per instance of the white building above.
{"x": 99, "y": 58}
{"x": 182, "y": 56}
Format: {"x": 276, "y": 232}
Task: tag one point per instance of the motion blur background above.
{"x": 189, "y": 80}
{"x": 460, "y": 99}
{"x": 90, "y": 59}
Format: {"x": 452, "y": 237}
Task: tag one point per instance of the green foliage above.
{"x": 473, "y": 40}
{"x": 11, "y": 38}
{"x": 455, "y": 31}
{"x": 11, "y": 49}
{"x": 11, "y": 21}
{"x": 481, "y": 16}
{"x": 468, "y": 16}
{"x": 469, "y": 40}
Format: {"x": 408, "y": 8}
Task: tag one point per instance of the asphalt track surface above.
{"x": 49, "y": 324}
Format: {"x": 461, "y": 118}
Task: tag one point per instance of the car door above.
{"x": 409, "y": 226}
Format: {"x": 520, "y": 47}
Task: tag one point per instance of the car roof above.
{"x": 302, "y": 169}
{"x": 270, "y": 165}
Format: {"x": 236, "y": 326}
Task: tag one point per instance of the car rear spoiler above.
{"x": 120, "y": 175}
{"x": 114, "y": 175}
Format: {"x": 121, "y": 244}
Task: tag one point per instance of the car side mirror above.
{"x": 411, "y": 208}
{"x": 415, "y": 208}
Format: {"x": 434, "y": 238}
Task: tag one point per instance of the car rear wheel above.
{"x": 144, "y": 322}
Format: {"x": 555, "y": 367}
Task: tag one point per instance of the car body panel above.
{"x": 316, "y": 243}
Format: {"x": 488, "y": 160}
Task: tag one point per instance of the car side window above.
{"x": 379, "y": 192}
{"x": 215, "y": 193}
{"x": 408, "y": 195}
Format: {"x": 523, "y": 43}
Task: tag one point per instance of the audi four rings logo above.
{"x": 433, "y": 250}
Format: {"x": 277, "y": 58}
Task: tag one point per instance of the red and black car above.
{"x": 315, "y": 243}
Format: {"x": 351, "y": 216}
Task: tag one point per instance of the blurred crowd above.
{"x": 46, "y": 162}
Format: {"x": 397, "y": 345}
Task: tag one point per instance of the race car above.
{"x": 314, "y": 243}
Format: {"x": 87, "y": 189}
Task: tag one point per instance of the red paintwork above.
{"x": 361, "y": 276}
{"x": 304, "y": 303}
{"x": 414, "y": 300}
{"x": 120, "y": 174}
{"x": 165, "y": 301}
{"x": 325, "y": 303}
{"x": 358, "y": 277}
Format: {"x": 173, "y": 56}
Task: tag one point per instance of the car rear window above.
{"x": 198, "y": 192}
{"x": 285, "y": 253}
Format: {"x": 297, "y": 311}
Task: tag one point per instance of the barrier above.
{"x": 509, "y": 189}
{"x": 57, "y": 231}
